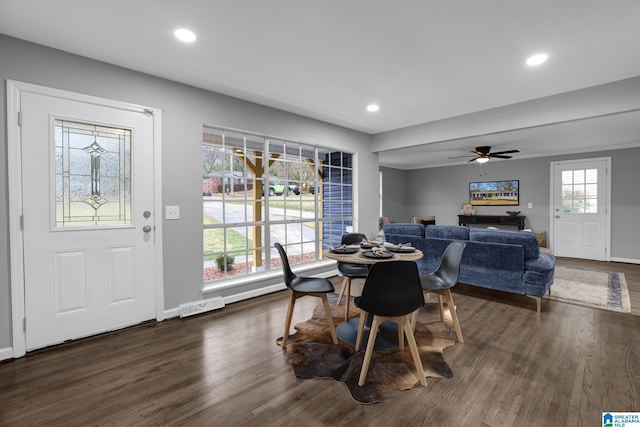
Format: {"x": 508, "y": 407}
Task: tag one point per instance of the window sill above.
{"x": 222, "y": 285}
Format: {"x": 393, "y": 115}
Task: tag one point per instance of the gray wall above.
{"x": 441, "y": 191}
{"x": 184, "y": 111}
{"x": 394, "y": 194}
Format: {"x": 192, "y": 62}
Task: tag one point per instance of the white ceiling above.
{"x": 420, "y": 60}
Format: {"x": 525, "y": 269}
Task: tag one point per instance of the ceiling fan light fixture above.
{"x": 482, "y": 159}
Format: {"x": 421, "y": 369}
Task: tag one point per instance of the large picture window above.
{"x": 258, "y": 191}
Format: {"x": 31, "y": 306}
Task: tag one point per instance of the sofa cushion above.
{"x": 404, "y": 229}
{"x": 526, "y": 239}
{"x": 454, "y": 232}
{"x": 539, "y": 274}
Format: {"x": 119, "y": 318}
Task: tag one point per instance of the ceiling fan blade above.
{"x": 506, "y": 152}
{"x": 484, "y": 152}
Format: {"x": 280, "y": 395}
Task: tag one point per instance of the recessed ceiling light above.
{"x": 537, "y": 59}
{"x": 185, "y": 35}
{"x": 372, "y": 108}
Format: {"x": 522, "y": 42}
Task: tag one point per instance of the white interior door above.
{"x": 581, "y": 205}
{"x": 87, "y": 196}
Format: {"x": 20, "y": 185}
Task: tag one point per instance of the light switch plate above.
{"x": 530, "y": 205}
{"x": 172, "y": 212}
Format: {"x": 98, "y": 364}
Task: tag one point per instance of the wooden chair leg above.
{"x": 401, "y": 333}
{"x": 345, "y": 279}
{"x": 414, "y": 352}
{"x": 348, "y": 300}
{"x": 441, "y": 307}
{"x": 414, "y": 319}
{"x": 363, "y": 320}
{"x": 367, "y": 354}
{"x": 327, "y": 310}
{"x": 287, "y": 322}
{"x": 454, "y": 315}
{"x": 404, "y": 324}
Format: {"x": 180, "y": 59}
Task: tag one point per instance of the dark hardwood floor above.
{"x": 564, "y": 367}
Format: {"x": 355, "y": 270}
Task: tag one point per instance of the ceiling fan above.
{"x": 483, "y": 154}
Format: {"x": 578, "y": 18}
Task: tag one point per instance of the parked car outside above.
{"x": 275, "y": 188}
{"x": 294, "y": 189}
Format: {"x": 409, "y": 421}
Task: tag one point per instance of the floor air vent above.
{"x": 203, "y": 306}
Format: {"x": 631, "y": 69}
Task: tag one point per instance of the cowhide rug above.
{"x": 312, "y": 354}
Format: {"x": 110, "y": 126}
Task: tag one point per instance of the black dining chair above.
{"x": 350, "y": 271}
{"x": 303, "y": 286}
{"x": 442, "y": 280}
{"x": 392, "y": 292}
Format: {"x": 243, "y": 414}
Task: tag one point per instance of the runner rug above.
{"x": 606, "y": 290}
{"x": 313, "y": 355}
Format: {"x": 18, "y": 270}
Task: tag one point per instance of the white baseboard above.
{"x": 6, "y": 353}
{"x": 229, "y": 299}
{"x": 173, "y": 312}
{"x": 254, "y": 293}
{"x": 626, "y": 260}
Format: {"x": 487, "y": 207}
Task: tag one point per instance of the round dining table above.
{"x": 347, "y": 331}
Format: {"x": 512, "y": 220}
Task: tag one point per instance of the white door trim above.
{"x": 14, "y": 157}
{"x": 607, "y": 238}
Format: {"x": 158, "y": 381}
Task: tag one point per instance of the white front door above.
{"x": 87, "y": 204}
{"x": 580, "y": 208}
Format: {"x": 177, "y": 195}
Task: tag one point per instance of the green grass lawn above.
{"x": 213, "y": 240}
{"x": 304, "y": 202}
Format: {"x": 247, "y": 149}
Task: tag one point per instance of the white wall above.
{"x": 184, "y": 111}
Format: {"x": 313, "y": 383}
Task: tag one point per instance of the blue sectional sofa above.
{"x": 503, "y": 260}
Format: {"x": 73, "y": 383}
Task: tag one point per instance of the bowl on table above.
{"x": 513, "y": 213}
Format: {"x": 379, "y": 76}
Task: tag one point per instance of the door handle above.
{"x": 557, "y": 216}
{"x": 146, "y": 228}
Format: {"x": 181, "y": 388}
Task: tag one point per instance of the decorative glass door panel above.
{"x": 92, "y": 175}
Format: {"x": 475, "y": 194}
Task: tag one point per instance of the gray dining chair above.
{"x": 391, "y": 292}
{"x": 304, "y": 286}
{"x": 350, "y": 271}
{"x": 442, "y": 280}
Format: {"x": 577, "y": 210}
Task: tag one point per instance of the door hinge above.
{"x": 20, "y": 118}
{"x": 24, "y": 324}
{"x": 21, "y": 222}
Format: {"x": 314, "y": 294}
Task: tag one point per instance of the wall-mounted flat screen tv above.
{"x": 495, "y": 193}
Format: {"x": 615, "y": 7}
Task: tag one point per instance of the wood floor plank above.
{"x": 517, "y": 367}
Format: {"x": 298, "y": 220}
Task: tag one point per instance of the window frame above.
{"x": 333, "y": 174}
